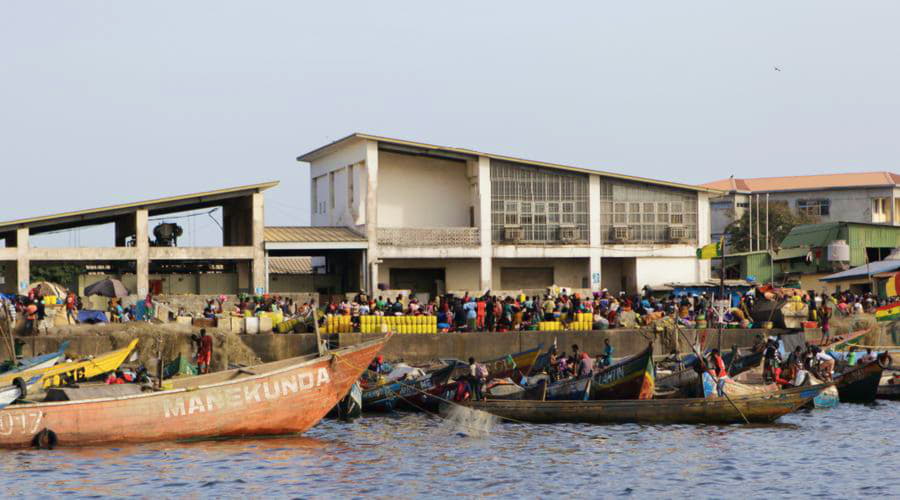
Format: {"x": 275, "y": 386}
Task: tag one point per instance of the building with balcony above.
{"x": 438, "y": 219}
{"x": 867, "y": 197}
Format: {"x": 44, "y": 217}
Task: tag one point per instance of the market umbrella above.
{"x": 107, "y": 288}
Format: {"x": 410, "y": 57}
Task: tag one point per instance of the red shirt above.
{"x": 205, "y": 344}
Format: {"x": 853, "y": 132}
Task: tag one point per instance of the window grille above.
{"x": 539, "y": 200}
{"x": 647, "y": 211}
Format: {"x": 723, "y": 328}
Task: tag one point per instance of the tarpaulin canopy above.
{"x": 107, "y": 288}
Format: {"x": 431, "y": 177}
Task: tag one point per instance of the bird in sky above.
{"x": 777, "y": 68}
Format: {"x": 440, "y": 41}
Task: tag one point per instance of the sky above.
{"x": 107, "y": 102}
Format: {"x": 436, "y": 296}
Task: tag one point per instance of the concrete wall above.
{"x": 415, "y": 191}
{"x": 657, "y": 271}
{"x": 460, "y": 274}
{"x": 292, "y": 283}
{"x": 342, "y": 214}
{"x": 486, "y": 346}
{"x": 618, "y": 274}
{"x": 569, "y": 273}
{"x": 174, "y": 284}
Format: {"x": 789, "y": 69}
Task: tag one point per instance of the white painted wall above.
{"x": 657, "y": 271}
{"x": 338, "y": 162}
{"x": 415, "y": 191}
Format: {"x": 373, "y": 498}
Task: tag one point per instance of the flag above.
{"x": 710, "y": 251}
{"x": 892, "y": 287}
{"x": 889, "y": 312}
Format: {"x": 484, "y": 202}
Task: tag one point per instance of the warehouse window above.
{"x": 537, "y": 204}
{"x": 632, "y": 212}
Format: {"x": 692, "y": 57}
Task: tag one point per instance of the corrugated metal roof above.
{"x": 882, "y": 266}
{"x": 791, "y": 253}
{"x": 806, "y": 182}
{"x": 310, "y": 234}
{"x": 323, "y": 150}
{"x": 290, "y": 265}
{"x": 812, "y": 235}
{"x": 149, "y": 204}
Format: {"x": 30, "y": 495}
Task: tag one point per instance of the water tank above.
{"x": 838, "y": 251}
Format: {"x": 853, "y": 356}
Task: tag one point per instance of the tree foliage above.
{"x": 781, "y": 220}
{"x": 62, "y": 274}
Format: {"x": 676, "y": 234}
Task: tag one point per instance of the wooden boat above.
{"x": 523, "y": 363}
{"x": 573, "y": 389}
{"x": 860, "y": 383}
{"x": 765, "y": 407}
{"x": 78, "y": 371}
{"x": 406, "y": 393}
{"x": 34, "y": 365}
{"x": 841, "y": 342}
{"x": 350, "y": 407}
{"x": 629, "y": 378}
{"x": 889, "y": 387}
{"x": 18, "y": 390}
{"x": 688, "y": 382}
{"x": 512, "y": 390}
{"x": 282, "y": 397}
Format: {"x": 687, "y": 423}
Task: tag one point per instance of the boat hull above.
{"x": 284, "y": 397}
{"x": 630, "y": 378}
{"x": 756, "y": 408}
{"x": 889, "y": 391}
{"x": 860, "y": 384}
{"x": 576, "y": 389}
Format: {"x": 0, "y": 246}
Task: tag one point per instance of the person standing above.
{"x": 204, "y": 352}
{"x": 31, "y": 316}
{"x": 71, "y": 311}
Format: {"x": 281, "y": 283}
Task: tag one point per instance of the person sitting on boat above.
{"x": 562, "y": 367}
{"x": 717, "y": 368}
{"x": 779, "y": 376}
{"x": 869, "y": 356}
{"x": 586, "y": 365}
{"x": 826, "y": 364}
{"x": 478, "y": 374}
{"x": 852, "y": 356}
{"x": 607, "y": 352}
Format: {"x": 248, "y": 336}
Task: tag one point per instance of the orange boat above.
{"x": 282, "y": 397}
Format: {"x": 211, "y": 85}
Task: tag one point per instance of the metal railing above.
{"x": 429, "y": 236}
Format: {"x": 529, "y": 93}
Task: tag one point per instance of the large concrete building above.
{"x": 433, "y": 219}
{"x": 238, "y": 264}
{"x": 868, "y": 197}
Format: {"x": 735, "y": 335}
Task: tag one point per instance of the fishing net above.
{"x": 469, "y": 422}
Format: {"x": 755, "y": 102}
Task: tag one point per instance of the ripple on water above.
{"x": 414, "y": 455}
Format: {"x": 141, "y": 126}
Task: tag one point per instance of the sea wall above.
{"x": 426, "y": 347}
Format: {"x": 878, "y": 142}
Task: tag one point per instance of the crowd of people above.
{"x": 491, "y": 313}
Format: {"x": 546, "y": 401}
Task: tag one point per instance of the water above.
{"x": 849, "y": 451}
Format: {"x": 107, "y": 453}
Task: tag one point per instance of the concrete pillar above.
{"x": 142, "y": 267}
{"x": 483, "y": 220}
{"x": 594, "y": 239}
{"x": 259, "y": 251}
{"x": 371, "y": 216}
{"x": 703, "y": 234}
{"x": 23, "y": 260}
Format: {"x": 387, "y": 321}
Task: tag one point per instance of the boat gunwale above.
{"x": 661, "y": 402}
{"x": 149, "y": 394}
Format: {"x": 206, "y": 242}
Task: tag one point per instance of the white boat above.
{"x": 18, "y": 390}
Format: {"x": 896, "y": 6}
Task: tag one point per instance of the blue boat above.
{"x": 42, "y": 361}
